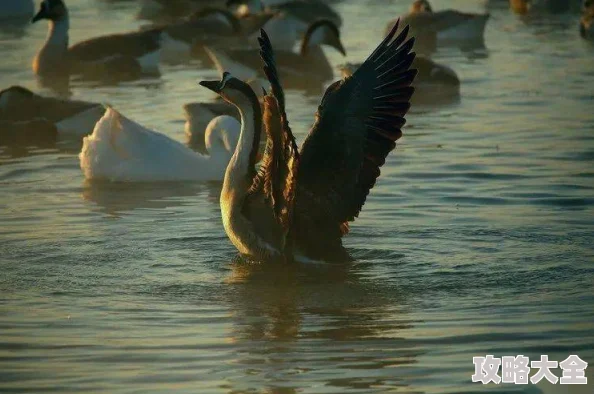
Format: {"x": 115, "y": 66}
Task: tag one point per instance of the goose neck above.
{"x": 58, "y": 32}
{"x": 241, "y": 169}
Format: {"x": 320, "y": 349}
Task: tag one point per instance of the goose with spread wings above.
{"x": 297, "y": 206}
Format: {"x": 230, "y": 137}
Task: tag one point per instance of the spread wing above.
{"x": 276, "y": 177}
{"x": 356, "y": 126}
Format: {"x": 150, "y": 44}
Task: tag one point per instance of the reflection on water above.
{"x": 290, "y": 321}
{"x": 118, "y": 197}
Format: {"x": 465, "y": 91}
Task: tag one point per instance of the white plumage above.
{"x": 122, "y": 150}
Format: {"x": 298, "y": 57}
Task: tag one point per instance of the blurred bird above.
{"x": 308, "y": 67}
{"x": 109, "y": 58}
{"x": 587, "y": 20}
{"x": 523, "y": 7}
{"x": 72, "y": 118}
{"x": 447, "y": 27}
{"x": 125, "y": 56}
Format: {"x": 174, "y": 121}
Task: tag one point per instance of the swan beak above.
{"x": 212, "y": 85}
{"x": 42, "y": 14}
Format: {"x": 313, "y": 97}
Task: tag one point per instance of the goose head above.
{"x": 53, "y": 10}
{"x": 420, "y": 6}
{"x": 221, "y": 135}
{"x": 322, "y": 32}
{"x": 233, "y": 90}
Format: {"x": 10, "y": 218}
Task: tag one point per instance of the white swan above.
{"x": 122, "y": 150}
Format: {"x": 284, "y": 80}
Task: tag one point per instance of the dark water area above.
{"x": 477, "y": 239}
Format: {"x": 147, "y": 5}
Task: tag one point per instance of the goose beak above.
{"x": 337, "y": 44}
{"x": 211, "y": 85}
{"x": 340, "y": 48}
{"x": 42, "y": 14}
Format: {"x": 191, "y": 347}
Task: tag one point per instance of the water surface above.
{"x": 477, "y": 239}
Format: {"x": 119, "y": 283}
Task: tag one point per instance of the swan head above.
{"x": 323, "y": 32}
{"x": 222, "y": 134}
{"x": 420, "y": 6}
{"x": 53, "y": 10}
{"x": 232, "y": 90}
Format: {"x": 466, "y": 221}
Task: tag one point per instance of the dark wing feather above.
{"x": 276, "y": 177}
{"x": 356, "y": 126}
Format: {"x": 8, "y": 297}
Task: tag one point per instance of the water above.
{"x": 476, "y": 240}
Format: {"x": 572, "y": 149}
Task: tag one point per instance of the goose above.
{"x": 523, "y": 7}
{"x": 178, "y": 39}
{"x": 447, "y": 27}
{"x": 310, "y": 66}
{"x": 73, "y": 119}
{"x": 112, "y": 58}
{"x": 195, "y": 41}
{"x": 301, "y": 13}
{"x": 434, "y": 83}
{"x": 587, "y": 20}
{"x": 298, "y": 205}
{"x": 11, "y": 10}
{"x": 121, "y": 150}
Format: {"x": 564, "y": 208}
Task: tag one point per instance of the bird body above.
{"x": 540, "y": 6}
{"x": 446, "y": 27}
{"x": 108, "y": 58}
{"x": 309, "y": 66}
{"x": 299, "y": 203}
{"x": 73, "y": 119}
{"x": 120, "y": 149}
{"x": 587, "y": 20}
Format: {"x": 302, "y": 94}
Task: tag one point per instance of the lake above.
{"x": 477, "y": 239}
